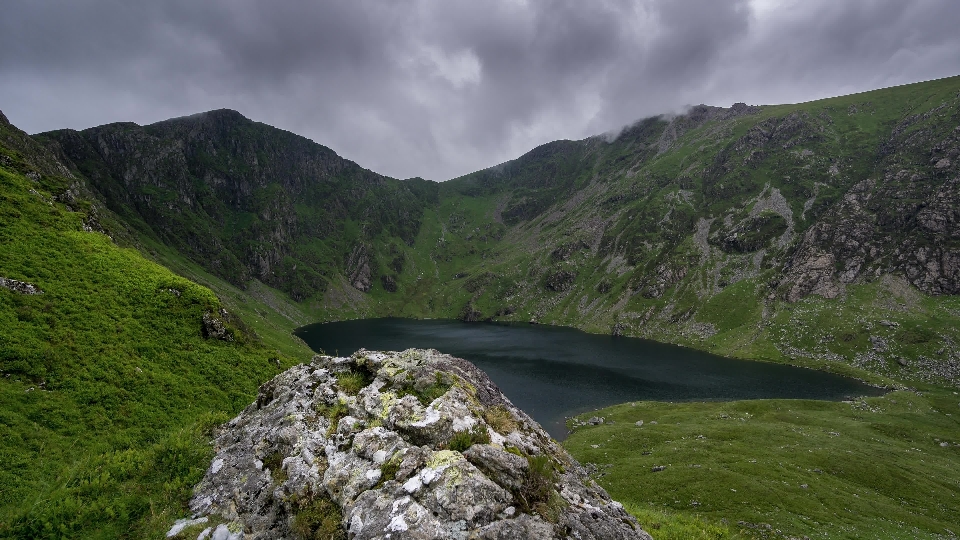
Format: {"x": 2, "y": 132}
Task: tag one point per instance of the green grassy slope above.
{"x": 107, "y": 385}
{"x": 883, "y": 467}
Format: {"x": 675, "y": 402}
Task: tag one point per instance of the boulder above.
{"x": 412, "y": 444}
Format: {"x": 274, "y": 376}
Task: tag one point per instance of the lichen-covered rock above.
{"x": 415, "y": 444}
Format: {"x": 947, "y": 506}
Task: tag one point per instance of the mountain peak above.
{"x": 229, "y": 116}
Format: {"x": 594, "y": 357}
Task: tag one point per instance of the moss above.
{"x": 426, "y": 395}
{"x": 514, "y": 450}
{"x": 317, "y": 517}
{"x": 274, "y": 462}
{"x": 389, "y": 468}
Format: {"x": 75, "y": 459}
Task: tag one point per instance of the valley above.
{"x": 175, "y": 260}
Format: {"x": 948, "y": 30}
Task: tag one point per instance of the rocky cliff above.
{"x": 415, "y": 444}
{"x": 243, "y": 199}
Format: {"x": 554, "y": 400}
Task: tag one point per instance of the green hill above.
{"x": 112, "y": 375}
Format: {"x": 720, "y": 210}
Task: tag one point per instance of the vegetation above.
{"x": 318, "y": 518}
{"x": 389, "y": 468}
{"x": 334, "y": 413}
{"x": 427, "y": 394}
{"x": 461, "y": 440}
{"x": 537, "y": 492}
{"x": 351, "y": 382}
{"x": 883, "y": 467}
{"x": 500, "y": 419}
{"x": 667, "y": 525}
{"x": 108, "y": 391}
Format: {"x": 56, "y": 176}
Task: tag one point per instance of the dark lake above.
{"x": 553, "y": 372}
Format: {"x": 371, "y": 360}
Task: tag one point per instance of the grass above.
{"x": 318, "y": 518}
{"x": 428, "y": 394}
{"x": 666, "y": 525}
{"x": 461, "y": 440}
{"x": 500, "y": 419}
{"x": 351, "y": 382}
{"x": 107, "y": 387}
{"x": 884, "y": 467}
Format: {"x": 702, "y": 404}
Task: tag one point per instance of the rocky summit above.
{"x": 412, "y": 444}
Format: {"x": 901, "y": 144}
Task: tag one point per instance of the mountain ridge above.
{"x": 646, "y": 234}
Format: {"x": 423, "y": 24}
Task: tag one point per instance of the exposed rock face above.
{"x": 389, "y": 283}
{"x": 214, "y": 326}
{"x": 21, "y": 287}
{"x": 863, "y": 237}
{"x": 358, "y": 268}
{"x": 398, "y": 445}
{"x": 470, "y": 314}
{"x": 560, "y": 280}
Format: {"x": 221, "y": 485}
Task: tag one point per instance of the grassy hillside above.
{"x": 108, "y": 386}
{"x": 819, "y": 234}
{"x": 882, "y": 467}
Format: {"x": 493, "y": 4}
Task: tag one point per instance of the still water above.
{"x": 553, "y": 373}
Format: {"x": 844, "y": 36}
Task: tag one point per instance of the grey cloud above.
{"x": 439, "y": 88}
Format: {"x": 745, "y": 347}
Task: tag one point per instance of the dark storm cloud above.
{"x": 438, "y": 88}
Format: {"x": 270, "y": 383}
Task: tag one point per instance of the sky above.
{"x": 441, "y": 88}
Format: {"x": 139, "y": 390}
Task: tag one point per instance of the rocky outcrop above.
{"x": 865, "y": 236}
{"x": 560, "y": 281}
{"x": 214, "y": 327}
{"x": 358, "y": 268}
{"x": 415, "y": 444}
{"x": 19, "y": 287}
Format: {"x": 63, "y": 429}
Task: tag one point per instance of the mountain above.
{"x": 708, "y": 229}
{"x": 243, "y": 199}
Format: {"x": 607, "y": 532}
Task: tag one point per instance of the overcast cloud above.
{"x": 440, "y": 88}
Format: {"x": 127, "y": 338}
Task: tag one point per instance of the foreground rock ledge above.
{"x": 415, "y": 444}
